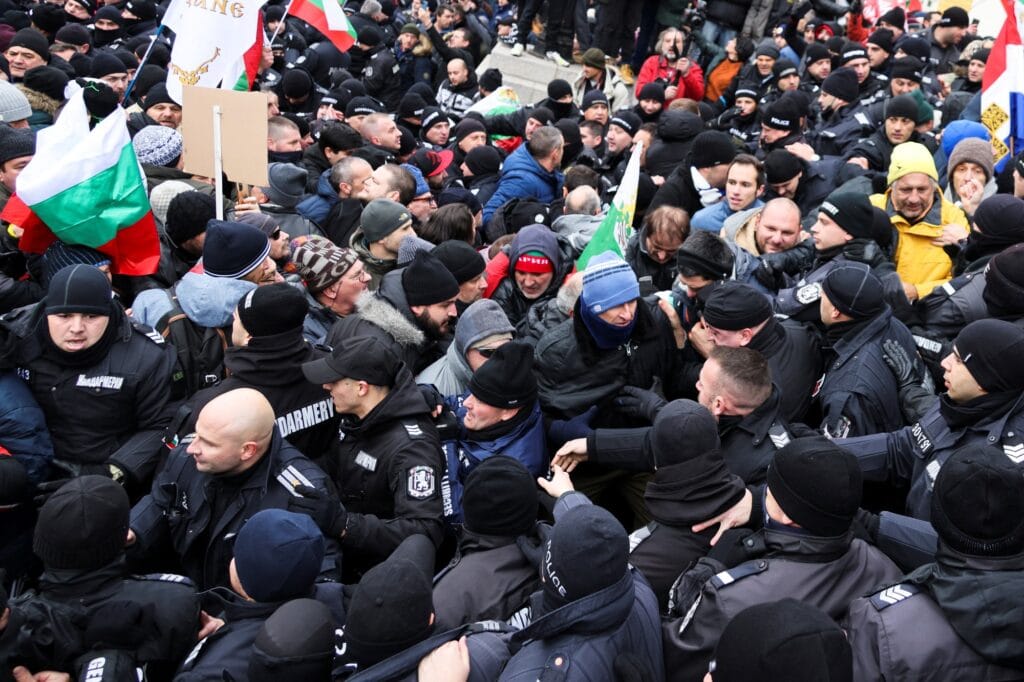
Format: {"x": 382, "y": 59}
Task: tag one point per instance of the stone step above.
{"x": 528, "y": 74}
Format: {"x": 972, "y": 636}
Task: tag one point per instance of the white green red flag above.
{"x": 85, "y": 187}
{"x": 212, "y": 39}
{"x": 248, "y": 66}
{"x": 329, "y": 18}
{"x": 613, "y": 232}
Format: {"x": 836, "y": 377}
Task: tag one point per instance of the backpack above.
{"x": 200, "y": 350}
{"x": 514, "y": 215}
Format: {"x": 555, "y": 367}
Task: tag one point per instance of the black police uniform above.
{"x": 388, "y": 468}
{"x": 199, "y": 515}
{"x": 113, "y": 410}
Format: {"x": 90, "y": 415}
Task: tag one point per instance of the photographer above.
{"x": 671, "y": 68}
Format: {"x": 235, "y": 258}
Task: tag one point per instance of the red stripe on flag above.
{"x": 37, "y": 237}
{"x": 135, "y": 250}
{"x": 254, "y": 54}
{"x": 315, "y": 17}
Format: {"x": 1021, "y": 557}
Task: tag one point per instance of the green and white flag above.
{"x": 613, "y": 232}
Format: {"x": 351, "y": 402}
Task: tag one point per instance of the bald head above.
{"x": 583, "y": 201}
{"x": 458, "y": 72}
{"x": 233, "y": 432}
{"x": 778, "y": 226}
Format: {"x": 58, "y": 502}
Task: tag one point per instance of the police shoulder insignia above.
{"x": 166, "y": 578}
{"x": 421, "y": 483}
{"x": 809, "y": 293}
{"x": 413, "y": 429}
{"x": 893, "y": 595}
{"x": 149, "y": 333}
{"x": 740, "y": 572}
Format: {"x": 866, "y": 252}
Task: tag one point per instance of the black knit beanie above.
{"x": 79, "y": 289}
{"x": 683, "y": 430}
{"x": 978, "y": 503}
{"x": 273, "y": 309}
{"x": 506, "y": 380}
{"x": 587, "y": 552}
{"x": 733, "y": 306}
{"x": 83, "y": 525}
{"x": 426, "y": 281}
{"x": 500, "y": 498}
{"x": 991, "y": 350}
{"x": 817, "y": 484}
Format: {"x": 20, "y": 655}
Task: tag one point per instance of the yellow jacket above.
{"x": 918, "y": 261}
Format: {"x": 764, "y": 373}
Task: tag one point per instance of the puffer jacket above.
{"x": 318, "y": 205}
{"x": 676, "y": 130}
{"x": 508, "y": 295}
{"x": 523, "y": 178}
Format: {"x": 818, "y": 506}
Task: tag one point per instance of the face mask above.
{"x": 101, "y": 38}
{"x": 285, "y": 157}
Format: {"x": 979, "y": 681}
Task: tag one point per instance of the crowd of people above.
{"x": 386, "y": 420}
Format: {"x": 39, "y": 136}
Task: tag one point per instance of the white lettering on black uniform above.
{"x": 305, "y": 417}
{"x": 100, "y": 382}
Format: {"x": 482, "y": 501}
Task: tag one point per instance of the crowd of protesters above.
{"x": 382, "y": 423}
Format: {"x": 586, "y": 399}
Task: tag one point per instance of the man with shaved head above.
{"x": 234, "y": 465}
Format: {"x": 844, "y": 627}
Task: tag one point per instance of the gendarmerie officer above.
{"x": 387, "y": 463}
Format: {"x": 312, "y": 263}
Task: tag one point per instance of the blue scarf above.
{"x": 606, "y": 336}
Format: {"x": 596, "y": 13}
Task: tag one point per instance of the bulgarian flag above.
{"x": 613, "y": 232}
{"x": 329, "y": 18}
{"x": 249, "y": 64}
{"x": 85, "y": 187}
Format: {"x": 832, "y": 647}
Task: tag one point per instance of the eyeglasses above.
{"x": 276, "y": 234}
{"x": 486, "y": 352}
{"x": 429, "y": 199}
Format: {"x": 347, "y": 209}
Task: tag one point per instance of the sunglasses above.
{"x": 486, "y": 352}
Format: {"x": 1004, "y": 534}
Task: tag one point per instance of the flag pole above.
{"x": 142, "y": 62}
{"x": 281, "y": 23}
{"x": 218, "y": 169}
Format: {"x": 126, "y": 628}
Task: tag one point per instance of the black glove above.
{"x": 638, "y": 402}
{"x": 865, "y": 526}
{"x": 46, "y": 489}
{"x": 328, "y": 513}
{"x": 432, "y": 396}
{"x": 902, "y": 365}
{"x": 533, "y": 548}
{"x": 563, "y": 430}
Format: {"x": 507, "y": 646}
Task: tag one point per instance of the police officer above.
{"x": 858, "y": 394}
{"x": 805, "y": 550}
{"x": 387, "y": 464}
{"x": 102, "y": 381}
{"x": 737, "y": 315}
{"x": 847, "y": 229}
{"x": 267, "y": 352}
{"x": 955, "y": 618}
{"x": 982, "y": 404}
{"x": 235, "y": 465}
{"x": 86, "y": 588}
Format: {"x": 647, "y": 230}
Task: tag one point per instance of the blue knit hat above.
{"x": 608, "y": 281}
{"x": 278, "y": 555}
{"x": 233, "y": 250}
{"x": 421, "y": 183}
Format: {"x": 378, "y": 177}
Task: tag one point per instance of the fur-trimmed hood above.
{"x": 388, "y": 309}
{"x": 38, "y": 101}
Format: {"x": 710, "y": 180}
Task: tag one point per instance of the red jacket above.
{"x": 657, "y": 67}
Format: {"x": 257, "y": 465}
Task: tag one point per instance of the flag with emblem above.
{"x": 329, "y": 18}
{"x": 214, "y": 40}
{"x": 1002, "y": 89}
{"x": 613, "y": 232}
{"x": 85, "y": 187}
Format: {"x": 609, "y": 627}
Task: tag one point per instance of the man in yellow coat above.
{"x": 924, "y": 220}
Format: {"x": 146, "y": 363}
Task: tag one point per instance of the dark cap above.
{"x": 733, "y": 306}
{"x": 851, "y": 211}
{"x": 783, "y": 640}
{"x": 841, "y": 83}
{"x": 909, "y": 68}
{"x": 852, "y": 51}
{"x": 79, "y": 289}
{"x": 781, "y": 115}
{"x": 854, "y": 290}
{"x": 500, "y": 497}
{"x": 991, "y": 349}
{"x": 426, "y": 281}
{"x": 585, "y": 536}
{"x": 817, "y": 484}
{"x": 361, "y": 358}
{"x": 712, "y": 148}
{"x": 83, "y": 525}
{"x": 595, "y": 97}
{"x": 978, "y": 502}
{"x": 683, "y": 421}
{"x": 902, "y": 106}
{"x": 506, "y": 380}
{"x": 783, "y": 68}
{"x": 460, "y": 259}
{"x": 781, "y": 166}
{"x": 273, "y": 309}
{"x": 295, "y": 644}
{"x": 559, "y": 88}
{"x": 881, "y": 37}
{"x": 956, "y": 17}
{"x": 815, "y": 52}
{"x": 542, "y": 115}
{"x": 278, "y": 555}
{"x": 627, "y": 120}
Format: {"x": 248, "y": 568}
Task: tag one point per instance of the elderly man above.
{"x": 335, "y": 278}
{"x": 924, "y": 219}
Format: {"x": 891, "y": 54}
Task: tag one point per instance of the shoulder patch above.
{"x": 893, "y": 595}
{"x": 641, "y": 534}
{"x": 165, "y": 578}
{"x": 421, "y": 482}
{"x": 413, "y": 429}
{"x": 1014, "y": 450}
{"x": 926, "y": 344}
{"x": 809, "y": 293}
{"x": 149, "y": 333}
{"x": 744, "y": 570}
{"x": 291, "y": 478}
{"x": 780, "y": 438}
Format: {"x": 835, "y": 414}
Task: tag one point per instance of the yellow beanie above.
{"x": 911, "y": 157}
